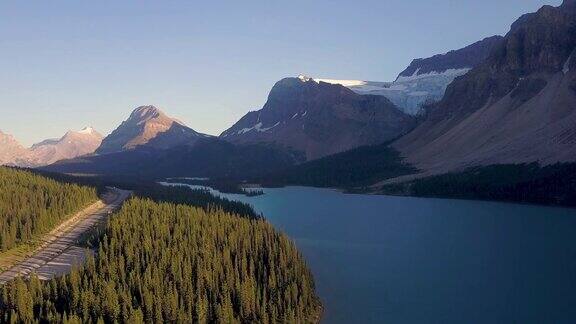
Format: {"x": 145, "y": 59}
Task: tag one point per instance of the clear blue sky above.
{"x": 67, "y": 64}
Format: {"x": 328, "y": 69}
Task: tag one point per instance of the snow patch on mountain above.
{"x": 450, "y": 73}
{"x": 566, "y": 67}
{"x": 409, "y": 93}
{"x": 346, "y": 83}
{"x": 87, "y": 130}
{"x": 258, "y": 127}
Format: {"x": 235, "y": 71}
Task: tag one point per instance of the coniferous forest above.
{"x": 195, "y": 197}
{"x": 31, "y": 205}
{"x": 526, "y": 183}
{"x": 163, "y": 262}
{"x": 353, "y": 169}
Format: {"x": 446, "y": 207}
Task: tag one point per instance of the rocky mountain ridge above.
{"x": 72, "y": 144}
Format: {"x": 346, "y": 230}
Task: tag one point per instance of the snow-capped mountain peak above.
{"x": 71, "y": 145}
{"x": 87, "y": 130}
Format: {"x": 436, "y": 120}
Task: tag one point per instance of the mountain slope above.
{"x": 516, "y": 107}
{"x": 148, "y": 126}
{"x": 319, "y": 119}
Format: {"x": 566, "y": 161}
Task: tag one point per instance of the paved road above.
{"x": 59, "y": 253}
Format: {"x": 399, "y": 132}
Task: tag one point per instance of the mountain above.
{"x": 11, "y": 152}
{"x": 518, "y": 106}
{"x": 148, "y": 126}
{"x": 425, "y": 80}
{"x": 319, "y": 119}
{"x": 208, "y": 157}
{"x": 151, "y": 145}
{"x": 71, "y": 145}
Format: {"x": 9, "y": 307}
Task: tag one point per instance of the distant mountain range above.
{"x": 149, "y": 144}
{"x": 500, "y": 101}
{"x": 303, "y": 113}
{"x": 504, "y": 130}
{"x": 301, "y": 116}
{"x": 71, "y": 145}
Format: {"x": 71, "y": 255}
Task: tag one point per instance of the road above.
{"x": 59, "y": 252}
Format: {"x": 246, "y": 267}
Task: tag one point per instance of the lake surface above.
{"x": 381, "y": 259}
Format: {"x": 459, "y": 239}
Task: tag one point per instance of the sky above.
{"x": 68, "y": 64}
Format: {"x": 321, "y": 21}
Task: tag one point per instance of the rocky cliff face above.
{"x": 319, "y": 119}
{"x": 518, "y": 106}
{"x": 148, "y": 126}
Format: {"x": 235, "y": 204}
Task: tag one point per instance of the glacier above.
{"x": 408, "y": 93}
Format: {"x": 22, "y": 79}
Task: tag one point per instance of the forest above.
{"x": 222, "y": 185}
{"x": 195, "y": 197}
{"x": 352, "y": 170}
{"x": 185, "y": 256}
{"x": 32, "y": 205}
{"x": 526, "y": 183}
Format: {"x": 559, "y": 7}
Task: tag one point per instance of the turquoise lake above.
{"x": 382, "y": 259}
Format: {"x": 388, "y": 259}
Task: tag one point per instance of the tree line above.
{"x": 32, "y": 205}
{"x": 553, "y": 184}
{"x": 355, "y": 169}
{"x": 195, "y": 197}
{"x": 167, "y": 262}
